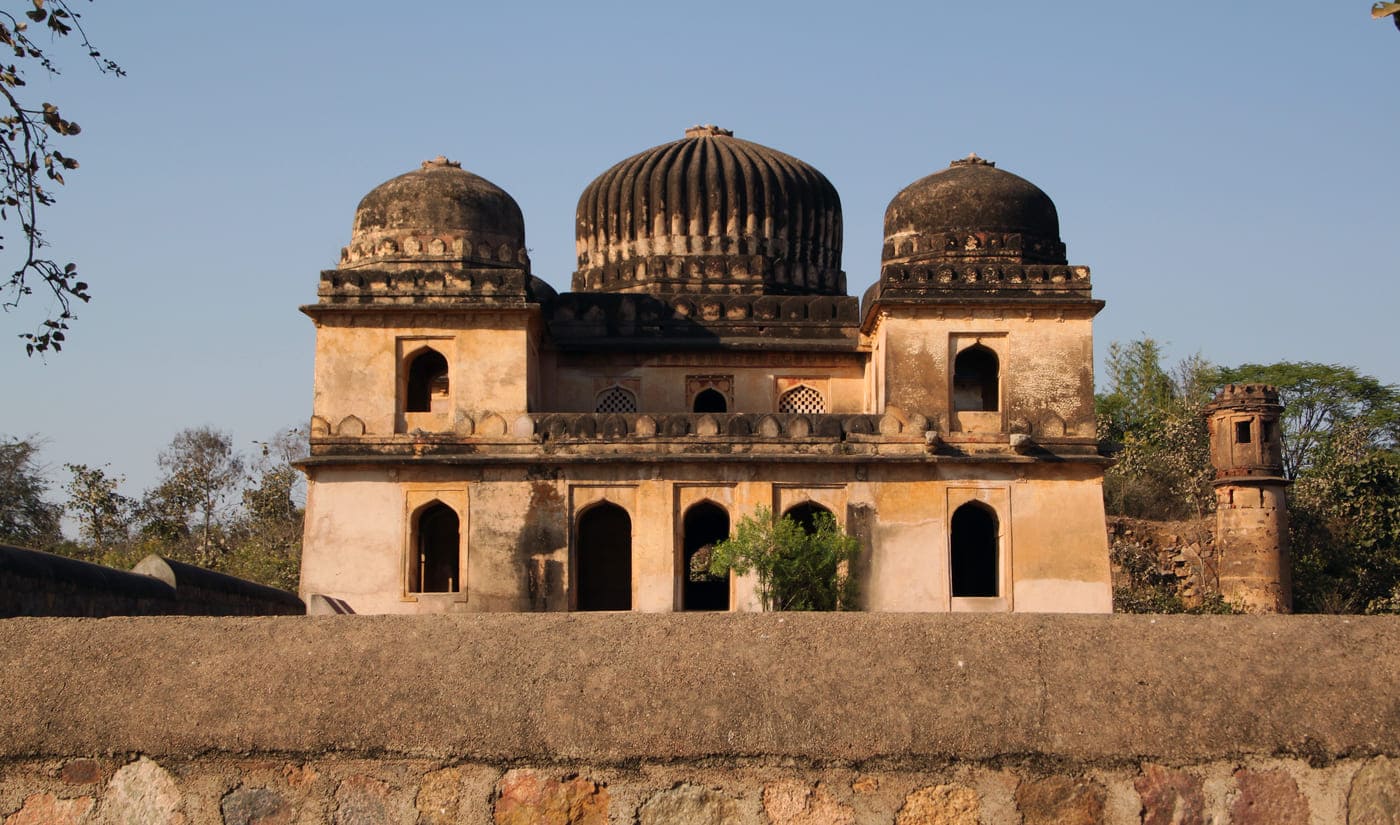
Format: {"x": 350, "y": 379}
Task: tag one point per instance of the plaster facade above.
{"x": 481, "y": 443}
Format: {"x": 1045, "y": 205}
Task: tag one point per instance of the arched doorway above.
{"x": 704, "y": 525}
{"x": 974, "y": 561}
{"x": 435, "y": 567}
{"x": 603, "y": 561}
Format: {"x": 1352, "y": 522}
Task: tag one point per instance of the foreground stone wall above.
{"x": 766, "y": 719}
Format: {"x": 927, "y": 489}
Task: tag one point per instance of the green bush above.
{"x": 796, "y": 570}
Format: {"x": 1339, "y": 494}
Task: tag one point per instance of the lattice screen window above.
{"x": 803, "y": 400}
{"x": 616, "y": 400}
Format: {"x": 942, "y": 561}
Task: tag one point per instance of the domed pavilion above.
{"x": 480, "y": 442}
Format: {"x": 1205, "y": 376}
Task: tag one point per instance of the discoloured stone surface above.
{"x": 47, "y": 809}
{"x": 791, "y": 802}
{"x": 1374, "y": 798}
{"x": 690, "y": 804}
{"x": 940, "y": 805}
{"x": 866, "y": 785}
{"x": 527, "y": 797}
{"x": 1170, "y": 797}
{"x": 256, "y": 806}
{"x": 1060, "y": 800}
{"x": 1267, "y": 798}
{"x": 81, "y": 772}
{"x": 361, "y": 800}
{"x": 141, "y": 793}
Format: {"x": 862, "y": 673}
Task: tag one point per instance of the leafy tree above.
{"x": 28, "y": 163}
{"x": 203, "y": 474}
{"x": 1320, "y": 399}
{"x": 1344, "y": 514}
{"x": 267, "y": 536}
{"x": 796, "y": 570}
{"x": 104, "y": 515}
{"x": 1152, "y": 420}
{"x": 26, "y": 519}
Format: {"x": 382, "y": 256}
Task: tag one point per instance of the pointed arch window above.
{"x": 615, "y": 399}
{"x": 802, "y": 400}
{"x": 976, "y": 380}
{"x": 427, "y": 382}
{"x": 710, "y": 401}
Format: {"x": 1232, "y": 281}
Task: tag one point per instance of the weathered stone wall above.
{"x": 768, "y": 719}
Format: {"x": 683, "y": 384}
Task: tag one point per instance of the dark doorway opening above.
{"x": 975, "y": 380}
{"x": 436, "y": 562}
{"x": 427, "y": 379}
{"x": 705, "y": 525}
{"x": 974, "y": 546}
{"x": 604, "y": 559}
{"x": 710, "y": 401}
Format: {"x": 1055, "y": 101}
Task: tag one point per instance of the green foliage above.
{"x": 104, "y": 515}
{"x": 796, "y": 570}
{"x": 26, "y": 519}
{"x": 1152, "y": 420}
{"x": 1344, "y": 515}
{"x": 28, "y": 163}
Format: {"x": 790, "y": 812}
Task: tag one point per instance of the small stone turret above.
{"x": 1251, "y": 513}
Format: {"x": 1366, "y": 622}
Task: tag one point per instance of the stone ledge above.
{"x": 904, "y": 689}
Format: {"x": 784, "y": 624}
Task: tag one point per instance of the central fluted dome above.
{"x": 710, "y": 213}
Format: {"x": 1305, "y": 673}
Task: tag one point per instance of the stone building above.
{"x": 483, "y": 443}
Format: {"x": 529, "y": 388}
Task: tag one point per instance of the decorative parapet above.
{"x": 706, "y": 263}
{"x": 423, "y": 286}
{"x": 578, "y": 317}
{"x": 940, "y": 279}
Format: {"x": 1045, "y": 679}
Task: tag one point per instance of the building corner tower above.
{"x": 1251, "y": 513}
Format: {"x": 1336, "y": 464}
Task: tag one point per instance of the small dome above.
{"x": 973, "y": 211}
{"x": 710, "y": 213}
{"x": 438, "y": 215}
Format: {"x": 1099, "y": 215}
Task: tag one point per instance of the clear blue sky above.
{"x": 1228, "y": 170}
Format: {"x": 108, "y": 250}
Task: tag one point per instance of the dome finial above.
{"x": 441, "y": 162}
{"x": 972, "y": 160}
{"x": 708, "y": 130}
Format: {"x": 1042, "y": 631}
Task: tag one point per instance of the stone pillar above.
{"x": 1251, "y": 513}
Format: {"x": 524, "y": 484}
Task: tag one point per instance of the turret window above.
{"x": 427, "y": 382}
{"x": 976, "y": 380}
{"x": 1243, "y": 435}
{"x": 616, "y": 400}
